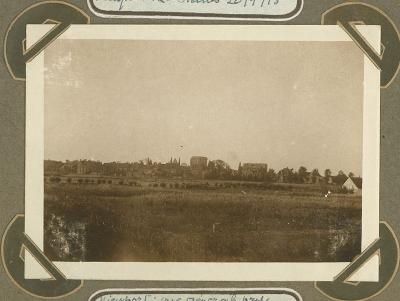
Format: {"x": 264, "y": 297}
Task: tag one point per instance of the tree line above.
{"x": 218, "y": 169}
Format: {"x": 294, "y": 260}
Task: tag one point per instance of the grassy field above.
{"x": 102, "y": 222}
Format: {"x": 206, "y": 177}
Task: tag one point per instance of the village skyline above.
{"x": 146, "y": 161}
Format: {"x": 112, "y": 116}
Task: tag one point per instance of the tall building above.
{"x": 198, "y": 166}
{"x": 198, "y": 163}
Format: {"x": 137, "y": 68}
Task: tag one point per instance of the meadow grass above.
{"x": 123, "y": 223}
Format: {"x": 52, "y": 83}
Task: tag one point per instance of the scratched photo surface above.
{"x": 206, "y": 151}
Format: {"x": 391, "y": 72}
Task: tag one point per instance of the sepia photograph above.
{"x": 216, "y": 149}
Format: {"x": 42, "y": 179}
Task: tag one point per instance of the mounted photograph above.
{"x": 202, "y": 152}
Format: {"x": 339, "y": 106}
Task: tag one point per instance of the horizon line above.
{"x": 188, "y": 164}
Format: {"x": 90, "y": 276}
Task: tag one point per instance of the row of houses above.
{"x": 143, "y": 168}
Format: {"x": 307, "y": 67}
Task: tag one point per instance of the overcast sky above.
{"x": 281, "y": 103}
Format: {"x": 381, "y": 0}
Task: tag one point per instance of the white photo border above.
{"x": 200, "y": 271}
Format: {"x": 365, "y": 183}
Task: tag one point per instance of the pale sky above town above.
{"x": 281, "y": 103}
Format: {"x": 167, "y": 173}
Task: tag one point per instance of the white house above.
{"x": 353, "y": 184}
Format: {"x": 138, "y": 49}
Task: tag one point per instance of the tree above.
{"x": 271, "y": 175}
{"x": 351, "y": 175}
{"x": 315, "y": 172}
{"x": 288, "y": 175}
{"x": 341, "y": 173}
{"x": 302, "y": 170}
{"x": 341, "y": 177}
{"x": 223, "y": 169}
{"x": 328, "y": 176}
{"x": 302, "y": 174}
{"x": 211, "y": 170}
{"x": 315, "y": 175}
{"x": 327, "y": 173}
